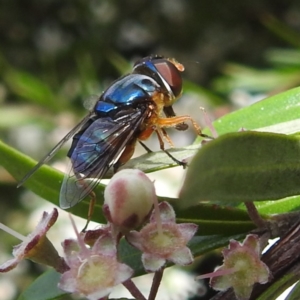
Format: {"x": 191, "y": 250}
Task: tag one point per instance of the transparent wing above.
{"x": 97, "y": 149}
{"x": 49, "y": 155}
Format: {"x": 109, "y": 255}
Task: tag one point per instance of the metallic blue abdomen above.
{"x": 127, "y": 91}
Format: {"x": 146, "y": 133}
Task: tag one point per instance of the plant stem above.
{"x": 155, "y": 283}
{"x": 134, "y": 291}
{"x": 254, "y": 215}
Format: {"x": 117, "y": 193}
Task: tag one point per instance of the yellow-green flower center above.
{"x": 163, "y": 242}
{"x": 95, "y": 272}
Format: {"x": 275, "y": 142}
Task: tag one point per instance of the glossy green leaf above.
{"x": 280, "y": 206}
{"x": 213, "y": 219}
{"x": 46, "y": 183}
{"x": 155, "y": 161}
{"x": 244, "y": 166}
{"x": 294, "y": 294}
{"x": 44, "y": 288}
{"x": 280, "y": 108}
{"x": 278, "y": 287}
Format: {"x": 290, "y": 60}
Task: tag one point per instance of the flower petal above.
{"x": 252, "y": 243}
{"x": 182, "y": 256}
{"x": 134, "y": 239}
{"x": 99, "y": 294}
{"x": 124, "y": 272}
{"x": 167, "y": 213}
{"x": 263, "y": 274}
{"x": 152, "y": 263}
{"x": 9, "y": 265}
{"x": 187, "y": 230}
{"x": 220, "y": 283}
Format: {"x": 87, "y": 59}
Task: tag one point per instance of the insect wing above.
{"x": 96, "y": 151}
{"x": 49, "y": 155}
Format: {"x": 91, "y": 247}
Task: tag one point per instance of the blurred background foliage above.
{"x": 55, "y": 55}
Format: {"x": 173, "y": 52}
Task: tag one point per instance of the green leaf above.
{"x": 32, "y": 89}
{"x": 282, "y": 30}
{"x": 271, "y": 111}
{"x": 244, "y": 166}
{"x": 46, "y": 183}
{"x": 283, "y": 56}
{"x": 278, "y": 287}
{"x": 280, "y": 206}
{"x": 213, "y": 219}
{"x": 294, "y": 294}
{"x": 44, "y": 288}
{"x": 155, "y": 161}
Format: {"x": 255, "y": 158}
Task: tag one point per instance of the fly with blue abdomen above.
{"x": 129, "y": 110}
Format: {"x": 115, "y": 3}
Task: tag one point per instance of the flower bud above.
{"x": 129, "y": 198}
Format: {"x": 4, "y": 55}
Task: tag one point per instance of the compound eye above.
{"x": 170, "y": 74}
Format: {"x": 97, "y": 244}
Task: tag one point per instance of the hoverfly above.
{"x": 129, "y": 110}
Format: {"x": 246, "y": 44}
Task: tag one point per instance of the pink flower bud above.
{"x": 129, "y": 198}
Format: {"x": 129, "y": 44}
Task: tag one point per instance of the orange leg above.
{"x": 173, "y": 121}
{"x": 169, "y": 112}
{"x": 166, "y": 136}
{"x": 161, "y": 123}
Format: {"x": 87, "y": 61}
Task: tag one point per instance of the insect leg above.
{"x": 92, "y": 202}
{"x": 91, "y": 210}
{"x": 159, "y": 133}
{"x": 169, "y": 112}
{"x": 166, "y": 136}
{"x": 173, "y": 121}
{"x": 145, "y": 147}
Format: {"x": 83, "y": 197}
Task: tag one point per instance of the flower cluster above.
{"x": 91, "y": 266}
